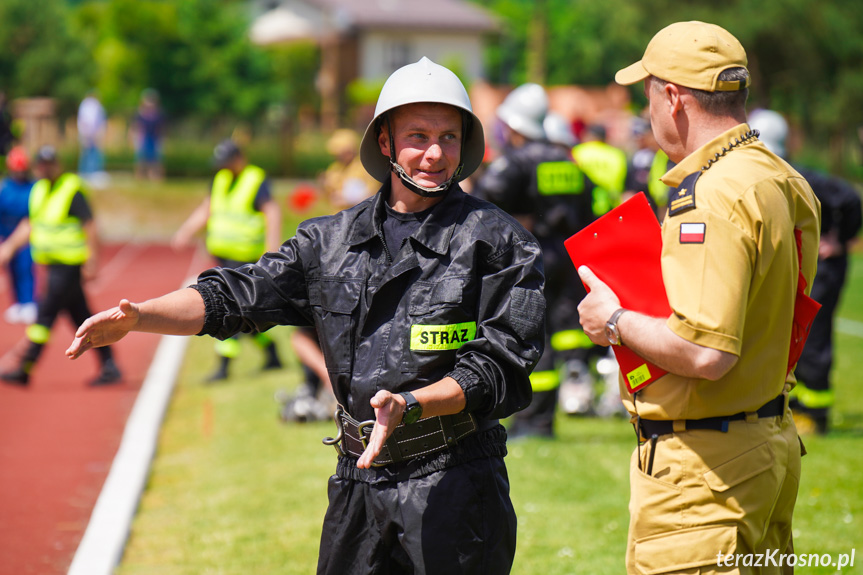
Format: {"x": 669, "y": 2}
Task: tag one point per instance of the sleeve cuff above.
{"x": 213, "y": 308}
{"x": 469, "y": 381}
{"x": 704, "y": 338}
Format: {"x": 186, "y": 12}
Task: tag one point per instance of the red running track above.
{"x": 58, "y": 436}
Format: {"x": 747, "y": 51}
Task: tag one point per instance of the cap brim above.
{"x": 631, "y": 74}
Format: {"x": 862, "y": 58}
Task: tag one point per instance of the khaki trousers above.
{"x": 712, "y": 492}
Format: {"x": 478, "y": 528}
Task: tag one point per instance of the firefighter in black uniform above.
{"x": 429, "y": 306}
{"x": 538, "y": 183}
{"x": 812, "y": 398}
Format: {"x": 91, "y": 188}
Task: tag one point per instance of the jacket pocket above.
{"x": 440, "y": 323}
{"x": 684, "y": 549}
{"x": 745, "y": 466}
{"x": 335, "y": 301}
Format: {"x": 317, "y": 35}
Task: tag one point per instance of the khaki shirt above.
{"x": 729, "y": 263}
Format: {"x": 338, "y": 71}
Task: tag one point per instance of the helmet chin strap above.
{"x": 409, "y": 182}
{"x": 421, "y": 190}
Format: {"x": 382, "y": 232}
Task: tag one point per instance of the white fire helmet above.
{"x": 558, "y": 130}
{"x": 423, "y": 82}
{"x": 524, "y": 110}
{"x": 772, "y": 128}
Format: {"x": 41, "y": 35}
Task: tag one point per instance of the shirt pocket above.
{"x": 441, "y": 321}
{"x": 335, "y": 302}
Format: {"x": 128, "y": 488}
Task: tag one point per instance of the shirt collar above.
{"x": 695, "y": 161}
{"x": 435, "y": 232}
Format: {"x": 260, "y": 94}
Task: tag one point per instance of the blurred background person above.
{"x": 536, "y": 181}
{"x": 345, "y": 182}
{"x": 243, "y": 221}
{"x": 92, "y": 124}
{"x": 147, "y": 128}
{"x": 14, "y": 198}
{"x": 813, "y": 397}
{"x": 605, "y": 165}
{"x": 647, "y": 164}
{"x": 64, "y": 239}
{"x": 7, "y": 137}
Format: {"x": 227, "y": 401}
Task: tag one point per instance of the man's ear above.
{"x": 672, "y": 95}
{"x": 384, "y": 139}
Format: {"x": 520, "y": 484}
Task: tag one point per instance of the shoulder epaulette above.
{"x": 682, "y": 198}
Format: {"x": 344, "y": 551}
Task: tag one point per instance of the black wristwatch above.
{"x": 611, "y": 331}
{"x": 413, "y": 409}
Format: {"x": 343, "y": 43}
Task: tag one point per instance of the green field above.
{"x": 235, "y": 491}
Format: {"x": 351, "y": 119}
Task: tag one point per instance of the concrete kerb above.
{"x": 104, "y": 541}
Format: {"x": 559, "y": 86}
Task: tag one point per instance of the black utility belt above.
{"x": 426, "y": 436}
{"x": 649, "y": 428}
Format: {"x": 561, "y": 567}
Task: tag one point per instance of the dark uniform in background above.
{"x": 537, "y": 182}
{"x": 812, "y": 397}
{"x": 840, "y": 224}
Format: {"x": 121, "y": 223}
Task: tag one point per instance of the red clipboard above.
{"x": 623, "y": 248}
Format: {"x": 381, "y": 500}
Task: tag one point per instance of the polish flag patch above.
{"x": 692, "y": 233}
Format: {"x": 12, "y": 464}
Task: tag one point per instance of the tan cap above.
{"x": 343, "y": 140}
{"x": 690, "y": 54}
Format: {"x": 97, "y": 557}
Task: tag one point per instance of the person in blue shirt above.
{"x": 14, "y": 198}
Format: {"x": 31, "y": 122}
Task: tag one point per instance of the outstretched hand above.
{"x": 597, "y": 307}
{"x": 389, "y": 410}
{"x": 104, "y": 328}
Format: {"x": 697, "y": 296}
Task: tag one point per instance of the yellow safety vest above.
{"x": 605, "y": 165}
{"x": 235, "y": 229}
{"x": 658, "y": 191}
{"x": 55, "y": 236}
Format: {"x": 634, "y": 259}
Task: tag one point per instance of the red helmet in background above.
{"x": 17, "y": 160}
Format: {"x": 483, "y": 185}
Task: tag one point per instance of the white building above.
{"x": 368, "y": 39}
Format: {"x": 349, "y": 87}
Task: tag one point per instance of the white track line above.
{"x": 849, "y": 327}
{"x": 104, "y": 541}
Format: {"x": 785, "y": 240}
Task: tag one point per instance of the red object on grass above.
{"x": 302, "y": 198}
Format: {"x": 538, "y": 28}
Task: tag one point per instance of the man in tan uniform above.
{"x": 718, "y": 466}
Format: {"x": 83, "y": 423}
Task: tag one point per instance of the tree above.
{"x": 40, "y": 57}
{"x": 806, "y": 58}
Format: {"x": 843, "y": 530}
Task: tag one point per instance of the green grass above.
{"x": 135, "y": 210}
{"x": 235, "y": 491}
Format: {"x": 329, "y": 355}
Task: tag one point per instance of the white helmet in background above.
{"x": 422, "y": 82}
{"x": 558, "y": 130}
{"x": 524, "y": 110}
{"x": 772, "y": 128}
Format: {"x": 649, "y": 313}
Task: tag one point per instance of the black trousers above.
{"x": 63, "y": 291}
{"x": 816, "y": 361}
{"x": 454, "y": 521}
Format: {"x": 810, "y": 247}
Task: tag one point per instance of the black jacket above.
{"x": 542, "y": 181}
{"x": 377, "y": 313}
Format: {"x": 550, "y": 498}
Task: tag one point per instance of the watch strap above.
{"x": 413, "y": 410}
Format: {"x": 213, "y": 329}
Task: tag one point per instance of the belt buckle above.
{"x": 361, "y": 431}
{"x": 340, "y": 425}
{"x": 364, "y": 438}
